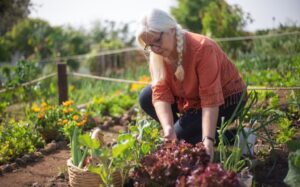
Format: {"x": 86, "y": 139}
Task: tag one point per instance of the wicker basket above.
{"x": 82, "y": 178}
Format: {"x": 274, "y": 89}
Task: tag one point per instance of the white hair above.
{"x": 159, "y": 21}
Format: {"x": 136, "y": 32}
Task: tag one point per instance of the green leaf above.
{"x": 87, "y": 141}
{"x": 146, "y": 147}
{"x": 121, "y": 147}
{"x": 293, "y": 176}
{"x": 100, "y": 171}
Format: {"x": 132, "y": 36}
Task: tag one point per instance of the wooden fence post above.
{"x": 62, "y": 82}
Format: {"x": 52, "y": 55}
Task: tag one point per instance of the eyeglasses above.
{"x": 156, "y": 44}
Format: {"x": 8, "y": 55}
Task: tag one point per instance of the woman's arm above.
{"x": 209, "y": 123}
{"x": 165, "y": 116}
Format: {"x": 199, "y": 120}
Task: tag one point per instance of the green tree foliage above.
{"x": 223, "y": 20}
{"x": 29, "y": 37}
{"x": 11, "y": 11}
{"x": 215, "y": 18}
{"x": 189, "y": 13}
{"x": 36, "y": 39}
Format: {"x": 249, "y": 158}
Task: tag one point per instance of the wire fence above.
{"x": 116, "y": 80}
{"x": 29, "y": 83}
{"x": 118, "y": 51}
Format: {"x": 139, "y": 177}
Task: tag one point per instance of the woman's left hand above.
{"x": 209, "y": 146}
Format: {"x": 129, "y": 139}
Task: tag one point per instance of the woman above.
{"x": 191, "y": 76}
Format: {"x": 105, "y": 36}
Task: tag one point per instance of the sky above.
{"x": 82, "y": 13}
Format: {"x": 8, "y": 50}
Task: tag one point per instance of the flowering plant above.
{"x": 46, "y": 120}
{"x": 55, "y": 121}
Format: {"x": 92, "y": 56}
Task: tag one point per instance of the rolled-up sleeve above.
{"x": 209, "y": 75}
{"x": 162, "y": 92}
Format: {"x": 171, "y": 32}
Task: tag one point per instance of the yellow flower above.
{"x": 71, "y": 110}
{"x": 35, "y": 108}
{"x": 65, "y": 111}
{"x": 44, "y": 104}
{"x": 75, "y": 117}
{"x": 68, "y": 103}
{"x": 145, "y": 79}
{"x": 135, "y": 87}
{"x": 65, "y": 121}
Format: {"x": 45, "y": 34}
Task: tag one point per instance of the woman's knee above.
{"x": 145, "y": 98}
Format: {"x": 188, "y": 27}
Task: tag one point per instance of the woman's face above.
{"x": 162, "y": 43}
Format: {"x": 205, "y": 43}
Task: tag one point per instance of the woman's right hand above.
{"x": 169, "y": 134}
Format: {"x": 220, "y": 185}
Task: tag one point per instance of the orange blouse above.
{"x": 210, "y": 77}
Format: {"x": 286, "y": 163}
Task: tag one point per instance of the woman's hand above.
{"x": 169, "y": 133}
{"x": 209, "y": 146}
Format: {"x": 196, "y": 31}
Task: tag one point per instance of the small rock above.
{"x": 50, "y": 147}
{"x": 37, "y": 155}
{"x": 27, "y": 158}
{"x": 14, "y": 166}
{"x": 105, "y": 125}
{"x": 36, "y": 184}
{"x": 118, "y": 128}
{"x": 7, "y": 168}
{"x": 20, "y": 162}
{"x": 132, "y": 111}
{"x": 61, "y": 144}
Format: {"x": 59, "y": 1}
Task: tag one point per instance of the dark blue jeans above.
{"x": 189, "y": 125}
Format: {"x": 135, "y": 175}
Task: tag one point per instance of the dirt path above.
{"x": 43, "y": 172}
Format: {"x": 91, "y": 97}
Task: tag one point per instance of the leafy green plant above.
{"x": 17, "y": 139}
{"x": 285, "y": 131}
{"x": 113, "y": 105}
{"x": 293, "y": 176}
{"x": 127, "y": 152}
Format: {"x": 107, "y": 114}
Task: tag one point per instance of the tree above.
{"x": 223, "y": 20}
{"x": 11, "y": 11}
{"x": 29, "y": 37}
{"x": 189, "y": 13}
{"x": 215, "y": 18}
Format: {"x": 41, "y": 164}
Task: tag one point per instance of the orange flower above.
{"x": 65, "y": 111}
{"x": 41, "y": 115}
{"x": 79, "y": 124}
{"x": 65, "y": 121}
{"x": 68, "y": 103}
{"x": 143, "y": 79}
{"x": 75, "y": 117}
